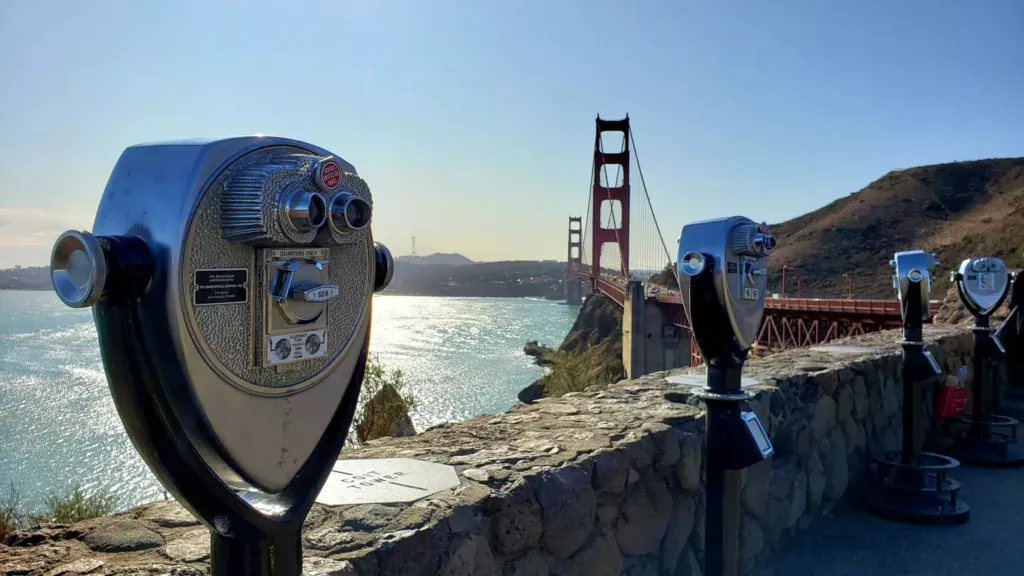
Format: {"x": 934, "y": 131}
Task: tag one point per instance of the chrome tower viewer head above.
{"x": 913, "y": 272}
{"x": 983, "y": 284}
{"x": 730, "y": 254}
{"x": 231, "y": 282}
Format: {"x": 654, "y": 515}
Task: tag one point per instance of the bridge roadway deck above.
{"x": 887, "y": 311}
{"x": 852, "y": 543}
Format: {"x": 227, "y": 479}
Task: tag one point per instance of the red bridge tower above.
{"x": 606, "y": 165}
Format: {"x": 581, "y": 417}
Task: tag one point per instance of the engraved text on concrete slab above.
{"x": 385, "y": 480}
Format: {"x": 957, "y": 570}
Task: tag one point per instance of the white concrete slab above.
{"x": 384, "y": 481}
{"x": 701, "y": 380}
{"x": 843, "y": 349}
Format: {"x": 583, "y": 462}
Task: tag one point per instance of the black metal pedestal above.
{"x": 910, "y": 485}
{"x": 980, "y": 438}
{"x": 919, "y": 492}
{"x": 722, "y": 497}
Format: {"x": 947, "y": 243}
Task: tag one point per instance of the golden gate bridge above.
{"x": 617, "y": 249}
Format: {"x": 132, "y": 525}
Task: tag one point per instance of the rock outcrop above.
{"x": 593, "y": 348}
{"x": 541, "y": 354}
{"x": 600, "y": 482}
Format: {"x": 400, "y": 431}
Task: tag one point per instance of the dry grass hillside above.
{"x": 955, "y": 210}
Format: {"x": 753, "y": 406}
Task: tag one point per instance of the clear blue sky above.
{"x": 473, "y": 120}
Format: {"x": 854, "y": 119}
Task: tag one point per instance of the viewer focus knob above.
{"x": 78, "y": 269}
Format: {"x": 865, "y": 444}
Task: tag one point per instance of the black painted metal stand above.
{"x": 722, "y": 396}
{"x": 911, "y": 485}
{"x": 981, "y": 438}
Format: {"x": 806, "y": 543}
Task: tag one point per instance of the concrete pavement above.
{"x": 852, "y": 543}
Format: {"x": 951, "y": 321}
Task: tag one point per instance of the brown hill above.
{"x": 955, "y": 210}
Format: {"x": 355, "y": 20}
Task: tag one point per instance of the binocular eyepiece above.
{"x": 348, "y": 213}
{"x": 752, "y": 239}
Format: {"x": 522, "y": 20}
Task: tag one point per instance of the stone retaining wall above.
{"x": 607, "y": 481}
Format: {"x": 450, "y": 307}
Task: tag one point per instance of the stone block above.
{"x": 823, "y": 419}
{"x": 470, "y": 556}
{"x": 844, "y": 405}
{"x": 688, "y": 564}
{"x": 314, "y": 566}
{"x": 666, "y": 443}
{"x": 891, "y": 392}
{"x": 755, "y": 490}
{"x": 827, "y": 381}
{"x": 815, "y": 480}
{"x": 598, "y": 557}
{"x": 680, "y": 527}
{"x": 168, "y": 514}
{"x": 191, "y": 546}
{"x": 606, "y": 516}
{"x": 837, "y": 473}
{"x": 860, "y": 397}
{"x": 568, "y": 509}
{"x": 643, "y": 517}
{"x": 879, "y": 417}
{"x": 697, "y": 536}
{"x": 610, "y": 470}
{"x": 413, "y": 552}
{"x": 689, "y": 466}
{"x": 855, "y": 437}
{"x": 533, "y": 563}
{"x": 799, "y": 499}
{"x": 119, "y": 535}
{"x": 516, "y": 524}
{"x": 640, "y": 449}
{"x": 751, "y": 543}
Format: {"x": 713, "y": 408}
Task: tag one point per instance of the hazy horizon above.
{"x": 470, "y": 119}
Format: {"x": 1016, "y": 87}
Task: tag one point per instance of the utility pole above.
{"x": 849, "y": 285}
{"x": 784, "y": 268}
{"x": 413, "y": 246}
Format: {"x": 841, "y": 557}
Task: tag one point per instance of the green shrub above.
{"x": 574, "y": 371}
{"x": 385, "y": 404}
{"x": 12, "y": 515}
{"x": 76, "y": 506}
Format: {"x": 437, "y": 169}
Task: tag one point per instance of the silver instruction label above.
{"x": 221, "y": 286}
{"x": 295, "y": 347}
{"x": 307, "y": 253}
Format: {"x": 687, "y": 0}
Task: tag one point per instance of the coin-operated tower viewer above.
{"x": 723, "y": 279}
{"x": 983, "y": 438}
{"x": 231, "y": 285}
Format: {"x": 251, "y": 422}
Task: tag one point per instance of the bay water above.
{"x": 58, "y": 427}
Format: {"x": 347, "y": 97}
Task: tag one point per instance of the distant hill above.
{"x": 955, "y": 210}
{"x": 537, "y": 279}
{"x": 26, "y": 278}
{"x": 437, "y": 259}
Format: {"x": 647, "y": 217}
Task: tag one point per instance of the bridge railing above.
{"x": 836, "y": 306}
